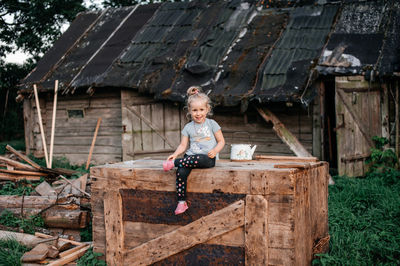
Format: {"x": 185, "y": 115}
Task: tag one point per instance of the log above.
{"x": 75, "y": 219}
{"x": 39, "y": 202}
{"x": 24, "y": 239}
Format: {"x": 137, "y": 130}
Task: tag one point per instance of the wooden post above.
{"x": 93, "y": 142}
{"x": 41, "y": 125}
{"x": 53, "y": 123}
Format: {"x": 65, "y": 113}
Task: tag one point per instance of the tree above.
{"x": 33, "y": 25}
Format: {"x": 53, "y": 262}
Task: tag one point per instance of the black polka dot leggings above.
{"x": 185, "y": 166}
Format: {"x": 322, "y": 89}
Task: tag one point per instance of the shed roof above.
{"x": 237, "y": 51}
{"x": 365, "y": 38}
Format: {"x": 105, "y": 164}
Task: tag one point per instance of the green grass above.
{"x": 11, "y": 252}
{"x": 364, "y": 221}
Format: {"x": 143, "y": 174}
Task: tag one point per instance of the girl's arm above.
{"x": 220, "y": 144}
{"x": 181, "y": 148}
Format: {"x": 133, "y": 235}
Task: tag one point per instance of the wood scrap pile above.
{"x": 47, "y": 249}
{"x": 16, "y": 171}
{"x": 63, "y": 204}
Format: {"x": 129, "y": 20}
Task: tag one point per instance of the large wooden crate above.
{"x": 254, "y": 213}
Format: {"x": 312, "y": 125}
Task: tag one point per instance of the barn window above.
{"x": 75, "y": 113}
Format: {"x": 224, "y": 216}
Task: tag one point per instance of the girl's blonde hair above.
{"x": 195, "y": 93}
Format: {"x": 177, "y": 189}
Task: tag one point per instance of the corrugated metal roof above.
{"x": 236, "y": 50}
{"x": 357, "y": 40}
{"x": 286, "y": 71}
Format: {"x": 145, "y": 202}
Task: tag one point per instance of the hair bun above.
{"x": 193, "y": 90}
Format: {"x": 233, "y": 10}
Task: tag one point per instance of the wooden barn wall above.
{"x": 73, "y": 136}
{"x": 141, "y": 141}
{"x": 251, "y": 128}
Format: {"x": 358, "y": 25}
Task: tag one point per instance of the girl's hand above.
{"x": 171, "y": 157}
{"x": 212, "y": 154}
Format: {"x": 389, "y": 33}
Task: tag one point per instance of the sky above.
{"x": 19, "y": 57}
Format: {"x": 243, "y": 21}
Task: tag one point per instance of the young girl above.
{"x": 206, "y": 141}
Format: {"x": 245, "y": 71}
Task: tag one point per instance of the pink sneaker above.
{"x": 168, "y": 165}
{"x": 181, "y": 208}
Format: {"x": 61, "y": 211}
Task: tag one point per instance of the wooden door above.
{"x": 358, "y": 119}
{"x": 150, "y": 129}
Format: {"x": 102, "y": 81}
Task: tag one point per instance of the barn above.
{"x": 292, "y": 77}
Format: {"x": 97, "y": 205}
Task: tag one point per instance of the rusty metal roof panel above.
{"x": 77, "y": 29}
{"x": 359, "y": 25}
{"x": 285, "y": 73}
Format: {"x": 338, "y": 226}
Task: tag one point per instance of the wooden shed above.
{"x": 305, "y": 65}
{"x": 272, "y": 211}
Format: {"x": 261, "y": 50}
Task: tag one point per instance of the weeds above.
{"x": 28, "y": 225}
{"x": 91, "y": 259}
{"x": 11, "y": 252}
{"x": 364, "y": 220}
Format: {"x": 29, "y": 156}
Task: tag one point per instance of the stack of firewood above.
{"x": 48, "y": 249}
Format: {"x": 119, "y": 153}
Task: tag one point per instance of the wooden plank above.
{"x": 127, "y": 132}
{"x": 283, "y": 133}
{"x": 157, "y": 118}
{"x": 71, "y": 257}
{"x": 22, "y": 172}
{"x": 38, "y": 253}
{"x": 72, "y": 250}
{"x": 114, "y": 227}
{"x": 183, "y": 238}
{"x": 16, "y": 164}
{"x": 11, "y": 177}
{"x": 93, "y": 142}
{"x": 23, "y": 157}
{"x": 256, "y": 230}
{"x": 173, "y": 124}
{"x": 280, "y": 159}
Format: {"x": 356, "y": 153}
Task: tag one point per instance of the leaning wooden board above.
{"x": 240, "y": 213}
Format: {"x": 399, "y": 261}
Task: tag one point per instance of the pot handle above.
{"x": 240, "y": 132}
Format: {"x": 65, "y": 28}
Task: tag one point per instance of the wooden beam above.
{"x": 41, "y": 125}
{"x": 23, "y": 157}
{"x": 283, "y": 133}
{"x": 114, "y": 228}
{"x": 11, "y": 177}
{"x": 22, "y": 172}
{"x": 256, "y": 230}
{"x": 16, "y": 164}
{"x": 286, "y": 158}
{"x": 148, "y": 122}
{"x": 199, "y": 231}
{"x": 355, "y": 118}
{"x": 93, "y": 142}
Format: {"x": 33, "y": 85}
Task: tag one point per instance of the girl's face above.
{"x": 198, "y": 111}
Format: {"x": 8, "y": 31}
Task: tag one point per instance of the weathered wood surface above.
{"x": 256, "y": 230}
{"x": 197, "y": 232}
{"x": 291, "y": 199}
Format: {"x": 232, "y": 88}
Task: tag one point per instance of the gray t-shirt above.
{"x": 201, "y": 136}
